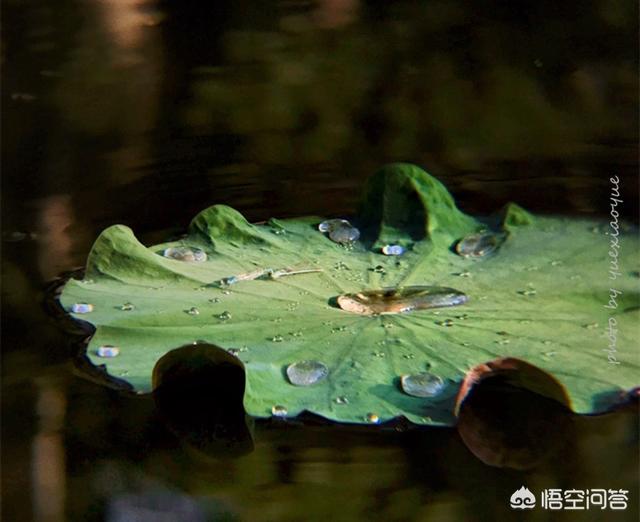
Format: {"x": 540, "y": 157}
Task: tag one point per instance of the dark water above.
{"x": 143, "y": 113}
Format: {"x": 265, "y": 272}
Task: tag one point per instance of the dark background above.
{"x": 143, "y": 113}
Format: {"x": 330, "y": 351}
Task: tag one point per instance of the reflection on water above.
{"x": 144, "y": 113}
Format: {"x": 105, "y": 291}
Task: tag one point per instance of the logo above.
{"x": 523, "y": 499}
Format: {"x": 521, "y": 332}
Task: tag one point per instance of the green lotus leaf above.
{"x": 540, "y": 297}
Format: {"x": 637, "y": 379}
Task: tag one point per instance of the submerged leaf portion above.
{"x": 267, "y": 296}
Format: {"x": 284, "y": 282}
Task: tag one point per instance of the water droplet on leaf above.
{"x": 392, "y": 250}
{"x": 400, "y": 300}
{"x": 423, "y": 384}
{"x": 193, "y": 311}
{"x": 224, "y": 316}
{"x": 331, "y": 224}
{"x": 372, "y": 418}
{"x": 344, "y": 234}
{"x": 81, "y": 308}
{"x": 478, "y": 245}
{"x": 107, "y": 351}
{"x": 279, "y": 411}
{"x": 306, "y": 373}
{"x": 277, "y": 339}
{"x": 127, "y": 307}
{"x": 341, "y": 400}
{"x": 185, "y": 254}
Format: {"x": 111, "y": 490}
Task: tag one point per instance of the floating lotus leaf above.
{"x": 269, "y": 294}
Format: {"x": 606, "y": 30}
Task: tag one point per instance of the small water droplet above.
{"x": 234, "y": 351}
{"x": 277, "y": 339}
{"x": 107, "y": 351}
{"x": 556, "y": 263}
{"x": 127, "y": 307}
{"x": 378, "y": 354}
{"x": 185, "y": 254}
{"x": 193, "y": 311}
{"x": 296, "y": 334}
{"x": 466, "y": 344}
{"x": 446, "y": 322}
{"x": 379, "y": 269}
{"x": 409, "y": 356}
{"x": 306, "y": 373}
{"x": 279, "y": 411}
{"x": 224, "y": 316}
{"x": 372, "y": 418}
{"x": 339, "y": 329}
{"x": 392, "y": 250}
{"x": 214, "y": 300}
{"x": 478, "y": 245}
{"x": 462, "y": 316}
{"x": 503, "y": 341}
{"x": 550, "y": 354}
{"x": 465, "y": 273}
{"x": 590, "y": 326}
{"x": 529, "y": 292}
{"x": 341, "y": 400}
{"x": 226, "y": 292}
{"x": 81, "y": 308}
{"x": 423, "y": 384}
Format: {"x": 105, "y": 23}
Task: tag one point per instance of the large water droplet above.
{"x": 344, "y": 234}
{"x": 331, "y": 224}
{"x": 107, "y": 351}
{"x": 400, "y": 300}
{"x": 306, "y": 373}
{"x": 279, "y": 411}
{"x": 423, "y": 384}
{"x": 185, "y": 254}
{"x": 81, "y": 308}
{"x": 478, "y": 245}
{"x": 392, "y": 250}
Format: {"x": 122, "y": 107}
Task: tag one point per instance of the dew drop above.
{"x": 234, "y": 351}
{"x": 446, "y": 322}
{"x": 214, "y": 300}
{"x": 378, "y": 354}
{"x": 277, "y": 339}
{"x": 224, "y": 316}
{"x": 478, "y": 245}
{"x": 296, "y": 334}
{"x": 529, "y": 292}
{"x": 81, "y": 308}
{"x": 372, "y": 418}
{"x": 193, "y": 311}
{"x": 185, "y": 254}
{"x": 591, "y": 326}
{"x": 107, "y": 351}
{"x": 392, "y": 250}
{"x": 127, "y": 307}
{"x": 409, "y": 356}
{"x": 306, "y": 373}
{"x": 465, "y": 273}
{"x": 279, "y": 411}
{"x": 423, "y": 384}
{"x": 341, "y": 400}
